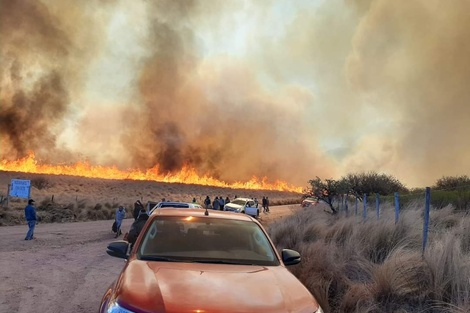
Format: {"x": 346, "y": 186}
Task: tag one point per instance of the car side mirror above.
{"x": 118, "y": 249}
{"x": 290, "y": 257}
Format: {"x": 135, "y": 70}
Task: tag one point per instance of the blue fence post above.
{"x": 357, "y": 202}
{"x": 377, "y": 205}
{"x": 397, "y": 207}
{"x": 364, "y": 212}
{"x": 426, "y": 217}
{"x": 342, "y": 202}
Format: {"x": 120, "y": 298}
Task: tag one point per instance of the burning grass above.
{"x": 356, "y": 266}
{"x": 61, "y": 198}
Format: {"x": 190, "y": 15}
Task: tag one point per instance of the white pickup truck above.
{"x": 242, "y": 205}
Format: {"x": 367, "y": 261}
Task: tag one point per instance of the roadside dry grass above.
{"x": 356, "y": 266}
{"x": 66, "y": 199}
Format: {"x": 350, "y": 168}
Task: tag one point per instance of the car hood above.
{"x": 235, "y": 206}
{"x": 196, "y": 287}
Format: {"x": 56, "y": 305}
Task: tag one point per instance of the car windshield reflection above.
{"x": 206, "y": 240}
{"x": 238, "y": 202}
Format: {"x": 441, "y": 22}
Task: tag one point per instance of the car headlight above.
{"x": 116, "y": 308}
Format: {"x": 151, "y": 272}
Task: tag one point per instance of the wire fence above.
{"x": 367, "y": 204}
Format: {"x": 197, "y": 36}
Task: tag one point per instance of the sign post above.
{"x": 20, "y": 188}
{"x": 8, "y": 196}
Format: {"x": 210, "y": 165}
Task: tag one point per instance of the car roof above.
{"x": 310, "y": 199}
{"x": 201, "y": 213}
{"x": 176, "y": 203}
{"x": 244, "y": 199}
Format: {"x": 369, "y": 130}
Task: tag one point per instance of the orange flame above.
{"x": 186, "y": 175}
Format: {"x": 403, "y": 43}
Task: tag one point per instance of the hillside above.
{"x": 62, "y": 198}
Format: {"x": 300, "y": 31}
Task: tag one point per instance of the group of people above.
{"x": 217, "y": 204}
{"x": 140, "y": 216}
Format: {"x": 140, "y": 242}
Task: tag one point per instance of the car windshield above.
{"x": 238, "y": 201}
{"x": 174, "y": 205}
{"x": 206, "y": 240}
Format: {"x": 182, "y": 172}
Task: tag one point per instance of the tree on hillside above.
{"x": 328, "y": 191}
{"x": 371, "y": 183}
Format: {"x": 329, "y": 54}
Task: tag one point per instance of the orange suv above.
{"x": 196, "y": 260}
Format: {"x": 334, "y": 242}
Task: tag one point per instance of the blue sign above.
{"x": 20, "y": 188}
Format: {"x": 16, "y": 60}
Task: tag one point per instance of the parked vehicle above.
{"x": 309, "y": 202}
{"x": 242, "y": 205}
{"x": 173, "y": 204}
{"x": 205, "y": 261}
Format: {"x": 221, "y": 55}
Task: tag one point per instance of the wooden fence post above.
{"x": 8, "y": 195}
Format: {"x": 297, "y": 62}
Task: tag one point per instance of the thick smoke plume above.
{"x": 214, "y": 117}
{"x": 278, "y": 89}
{"x": 32, "y": 103}
{"x": 43, "y": 51}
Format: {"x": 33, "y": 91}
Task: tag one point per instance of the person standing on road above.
{"x": 221, "y": 203}
{"x": 216, "y": 204}
{"x": 31, "y": 218}
{"x": 138, "y": 206}
{"x": 120, "y": 215}
{"x": 267, "y": 204}
{"x": 136, "y": 227}
{"x": 264, "y": 204}
{"x": 207, "y": 202}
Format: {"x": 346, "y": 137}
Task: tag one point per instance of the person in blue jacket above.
{"x": 31, "y": 218}
{"x": 120, "y": 215}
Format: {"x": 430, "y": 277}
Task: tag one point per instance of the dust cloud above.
{"x": 234, "y": 89}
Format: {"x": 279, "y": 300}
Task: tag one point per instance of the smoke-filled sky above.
{"x": 285, "y": 89}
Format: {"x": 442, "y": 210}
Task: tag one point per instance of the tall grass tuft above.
{"x": 451, "y": 271}
{"x": 353, "y": 265}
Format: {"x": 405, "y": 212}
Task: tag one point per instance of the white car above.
{"x": 242, "y": 205}
{"x": 172, "y": 204}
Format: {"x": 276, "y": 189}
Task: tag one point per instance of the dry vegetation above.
{"x": 65, "y": 198}
{"x": 350, "y": 265}
{"x": 378, "y": 266}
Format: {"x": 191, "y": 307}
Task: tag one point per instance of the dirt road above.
{"x": 66, "y": 269}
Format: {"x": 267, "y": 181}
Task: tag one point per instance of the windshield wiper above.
{"x": 158, "y": 258}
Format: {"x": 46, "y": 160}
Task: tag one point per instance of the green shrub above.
{"x": 453, "y": 182}
{"x": 459, "y": 199}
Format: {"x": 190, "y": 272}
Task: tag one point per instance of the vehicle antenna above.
{"x": 206, "y": 213}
